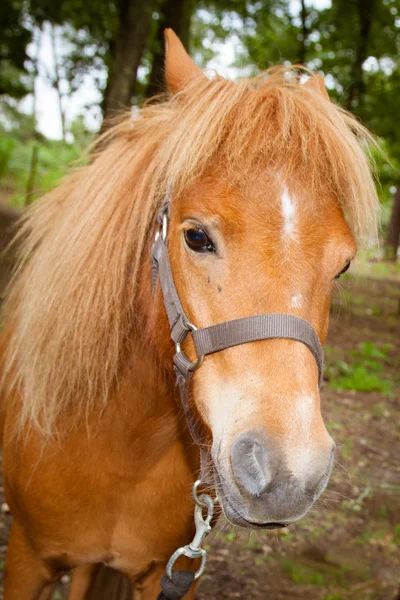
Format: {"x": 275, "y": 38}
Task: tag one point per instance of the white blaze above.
{"x": 297, "y": 301}
{"x": 288, "y": 213}
{"x": 300, "y": 446}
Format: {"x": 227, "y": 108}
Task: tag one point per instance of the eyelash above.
{"x": 346, "y": 268}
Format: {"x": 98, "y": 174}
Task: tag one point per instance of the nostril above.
{"x": 251, "y": 463}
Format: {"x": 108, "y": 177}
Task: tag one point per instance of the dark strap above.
{"x": 259, "y": 327}
{"x": 192, "y": 423}
{"x": 176, "y": 315}
{"x": 177, "y": 587}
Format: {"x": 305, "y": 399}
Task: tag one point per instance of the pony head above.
{"x": 268, "y": 235}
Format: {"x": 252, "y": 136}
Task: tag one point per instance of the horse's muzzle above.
{"x": 260, "y": 491}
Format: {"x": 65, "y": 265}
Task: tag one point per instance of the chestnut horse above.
{"x": 270, "y": 192}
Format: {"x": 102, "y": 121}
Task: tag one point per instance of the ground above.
{"x": 347, "y": 548}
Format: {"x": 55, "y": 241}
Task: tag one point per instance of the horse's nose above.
{"x": 253, "y": 462}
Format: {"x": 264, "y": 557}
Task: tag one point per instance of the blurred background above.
{"x": 65, "y": 65}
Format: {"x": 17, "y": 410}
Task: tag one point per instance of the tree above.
{"x": 361, "y": 49}
{"x": 134, "y": 24}
{"x": 81, "y": 34}
{"x": 393, "y": 238}
{"x": 175, "y": 14}
{"x": 365, "y": 11}
{"x": 273, "y": 34}
{"x": 57, "y": 79}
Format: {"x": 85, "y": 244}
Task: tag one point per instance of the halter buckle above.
{"x": 194, "y": 365}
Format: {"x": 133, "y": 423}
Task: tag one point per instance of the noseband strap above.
{"x": 216, "y": 338}
{"x": 259, "y": 327}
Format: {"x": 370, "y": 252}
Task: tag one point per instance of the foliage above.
{"x": 6, "y": 148}
{"x": 364, "y": 372}
{"x": 273, "y": 34}
{"x": 302, "y": 574}
{"x": 360, "y": 49}
{"x": 14, "y": 38}
{"x": 355, "y": 44}
{"x": 55, "y": 158}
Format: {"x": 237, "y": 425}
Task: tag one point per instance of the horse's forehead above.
{"x": 268, "y": 200}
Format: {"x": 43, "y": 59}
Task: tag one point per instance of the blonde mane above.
{"x": 72, "y": 303}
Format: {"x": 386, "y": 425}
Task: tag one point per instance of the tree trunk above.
{"x": 134, "y": 27}
{"x": 30, "y": 186}
{"x": 304, "y": 34}
{"x": 356, "y": 88}
{"x": 175, "y": 14}
{"x": 57, "y": 79}
{"x": 393, "y": 239}
{"x": 35, "y": 74}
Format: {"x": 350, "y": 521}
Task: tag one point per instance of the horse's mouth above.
{"x": 234, "y": 516}
{"x": 236, "y": 519}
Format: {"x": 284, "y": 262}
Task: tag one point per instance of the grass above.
{"x": 396, "y": 534}
{"x": 367, "y": 536}
{"x": 363, "y": 371}
{"x": 348, "y": 449}
{"x": 302, "y": 574}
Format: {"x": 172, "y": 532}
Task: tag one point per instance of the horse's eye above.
{"x": 346, "y": 268}
{"x": 197, "y": 240}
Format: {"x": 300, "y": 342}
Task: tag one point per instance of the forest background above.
{"x": 66, "y": 65}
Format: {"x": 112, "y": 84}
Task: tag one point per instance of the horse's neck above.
{"x": 142, "y": 421}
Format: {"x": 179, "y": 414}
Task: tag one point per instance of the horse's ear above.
{"x": 179, "y": 67}
{"x": 316, "y": 83}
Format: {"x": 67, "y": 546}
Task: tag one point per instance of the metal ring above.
{"x": 194, "y": 365}
{"x": 189, "y": 326}
{"x": 164, "y": 227}
{"x": 196, "y": 486}
{"x": 202, "y": 500}
{"x": 187, "y": 551}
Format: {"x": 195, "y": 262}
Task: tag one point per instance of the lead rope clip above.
{"x": 203, "y": 528}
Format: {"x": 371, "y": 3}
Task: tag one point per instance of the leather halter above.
{"x": 216, "y": 338}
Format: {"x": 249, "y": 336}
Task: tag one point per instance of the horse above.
{"x": 262, "y": 190}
